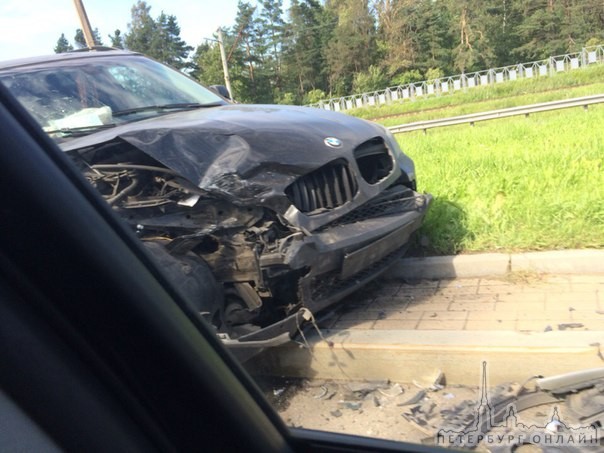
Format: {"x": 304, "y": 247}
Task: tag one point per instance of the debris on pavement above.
{"x": 570, "y": 325}
{"x": 393, "y": 391}
{"x": 363, "y": 407}
{"x": 432, "y": 382}
{"x": 278, "y": 392}
{"x": 366, "y": 387}
{"x": 414, "y": 399}
{"x": 352, "y": 405}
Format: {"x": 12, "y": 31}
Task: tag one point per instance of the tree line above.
{"x": 318, "y": 49}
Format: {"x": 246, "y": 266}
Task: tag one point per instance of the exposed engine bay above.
{"x": 265, "y": 268}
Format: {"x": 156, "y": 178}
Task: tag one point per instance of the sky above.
{"x": 31, "y": 27}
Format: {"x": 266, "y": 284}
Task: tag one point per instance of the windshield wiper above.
{"x": 162, "y": 108}
{"x": 82, "y": 130}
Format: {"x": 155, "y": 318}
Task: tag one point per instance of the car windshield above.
{"x": 83, "y": 95}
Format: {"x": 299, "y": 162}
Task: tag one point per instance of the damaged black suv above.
{"x": 262, "y": 215}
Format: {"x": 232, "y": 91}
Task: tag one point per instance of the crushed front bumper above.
{"x": 346, "y": 254}
{"x": 336, "y": 260}
{"x": 359, "y": 253}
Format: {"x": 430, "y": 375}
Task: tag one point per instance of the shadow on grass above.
{"x": 444, "y": 230}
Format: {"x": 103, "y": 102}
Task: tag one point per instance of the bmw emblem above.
{"x": 333, "y": 142}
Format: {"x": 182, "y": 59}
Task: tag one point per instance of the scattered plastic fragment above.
{"x": 322, "y": 394}
{"x": 419, "y": 422}
{"x": 327, "y": 391}
{"x": 426, "y": 408}
{"x": 368, "y": 386}
{"x": 278, "y": 392}
{"x": 353, "y": 405}
{"x": 414, "y": 399}
{"x": 433, "y": 383}
{"x": 393, "y": 391}
{"x": 570, "y": 325}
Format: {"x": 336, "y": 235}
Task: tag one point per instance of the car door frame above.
{"x": 97, "y": 348}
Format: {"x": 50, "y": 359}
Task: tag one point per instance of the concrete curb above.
{"x": 494, "y": 264}
{"x": 406, "y": 355}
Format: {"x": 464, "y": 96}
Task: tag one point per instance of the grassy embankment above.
{"x": 479, "y": 99}
{"x": 514, "y": 184}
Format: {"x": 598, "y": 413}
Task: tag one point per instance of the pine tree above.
{"x": 352, "y": 47}
{"x": 117, "y": 39}
{"x": 80, "y": 41}
{"x": 502, "y": 20}
{"x": 158, "y": 38}
{"x": 271, "y": 22}
{"x": 398, "y": 35}
{"x": 434, "y": 36}
{"x": 248, "y": 38}
{"x": 141, "y": 29}
{"x": 473, "y": 50}
{"x": 303, "y": 55}
{"x": 166, "y": 44}
{"x": 63, "y": 45}
{"x": 208, "y": 65}
{"x": 593, "y": 13}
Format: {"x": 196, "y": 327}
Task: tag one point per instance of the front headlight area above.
{"x": 405, "y": 163}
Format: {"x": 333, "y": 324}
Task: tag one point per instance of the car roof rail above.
{"x": 94, "y": 49}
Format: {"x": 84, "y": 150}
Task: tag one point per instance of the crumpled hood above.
{"x": 248, "y": 153}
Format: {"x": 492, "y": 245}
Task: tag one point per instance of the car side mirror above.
{"x": 221, "y": 90}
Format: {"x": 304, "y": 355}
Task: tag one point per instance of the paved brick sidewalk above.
{"x": 519, "y": 302}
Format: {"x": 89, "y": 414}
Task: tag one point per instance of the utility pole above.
{"x": 85, "y": 23}
{"x": 225, "y": 68}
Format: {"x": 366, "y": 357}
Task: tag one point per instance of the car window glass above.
{"x": 87, "y": 92}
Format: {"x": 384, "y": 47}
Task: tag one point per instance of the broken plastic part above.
{"x": 336, "y": 413}
{"x": 414, "y": 399}
{"x": 571, "y": 382}
{"x": 353, "y": 405}
{"x": 322, "y": 394}
{"x": 393, "y": 391}
{"x": 570, "y": 325}
{"x": 306, "y": 314}
{"x": 432, "y": 383}
{"x": 271, "y": 342}
{"x": 248, "y": 294}
{"x": 367, "y": 386}
{"x": 189, "y": 202}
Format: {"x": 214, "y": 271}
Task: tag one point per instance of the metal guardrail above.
{"x": 588, "y": 56}
{"x": 525, "y": 110}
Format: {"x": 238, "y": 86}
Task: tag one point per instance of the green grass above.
{"x": 514, "y": 184}
{"x": 520, "y": 92}
{"x": 493, "y": 104}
